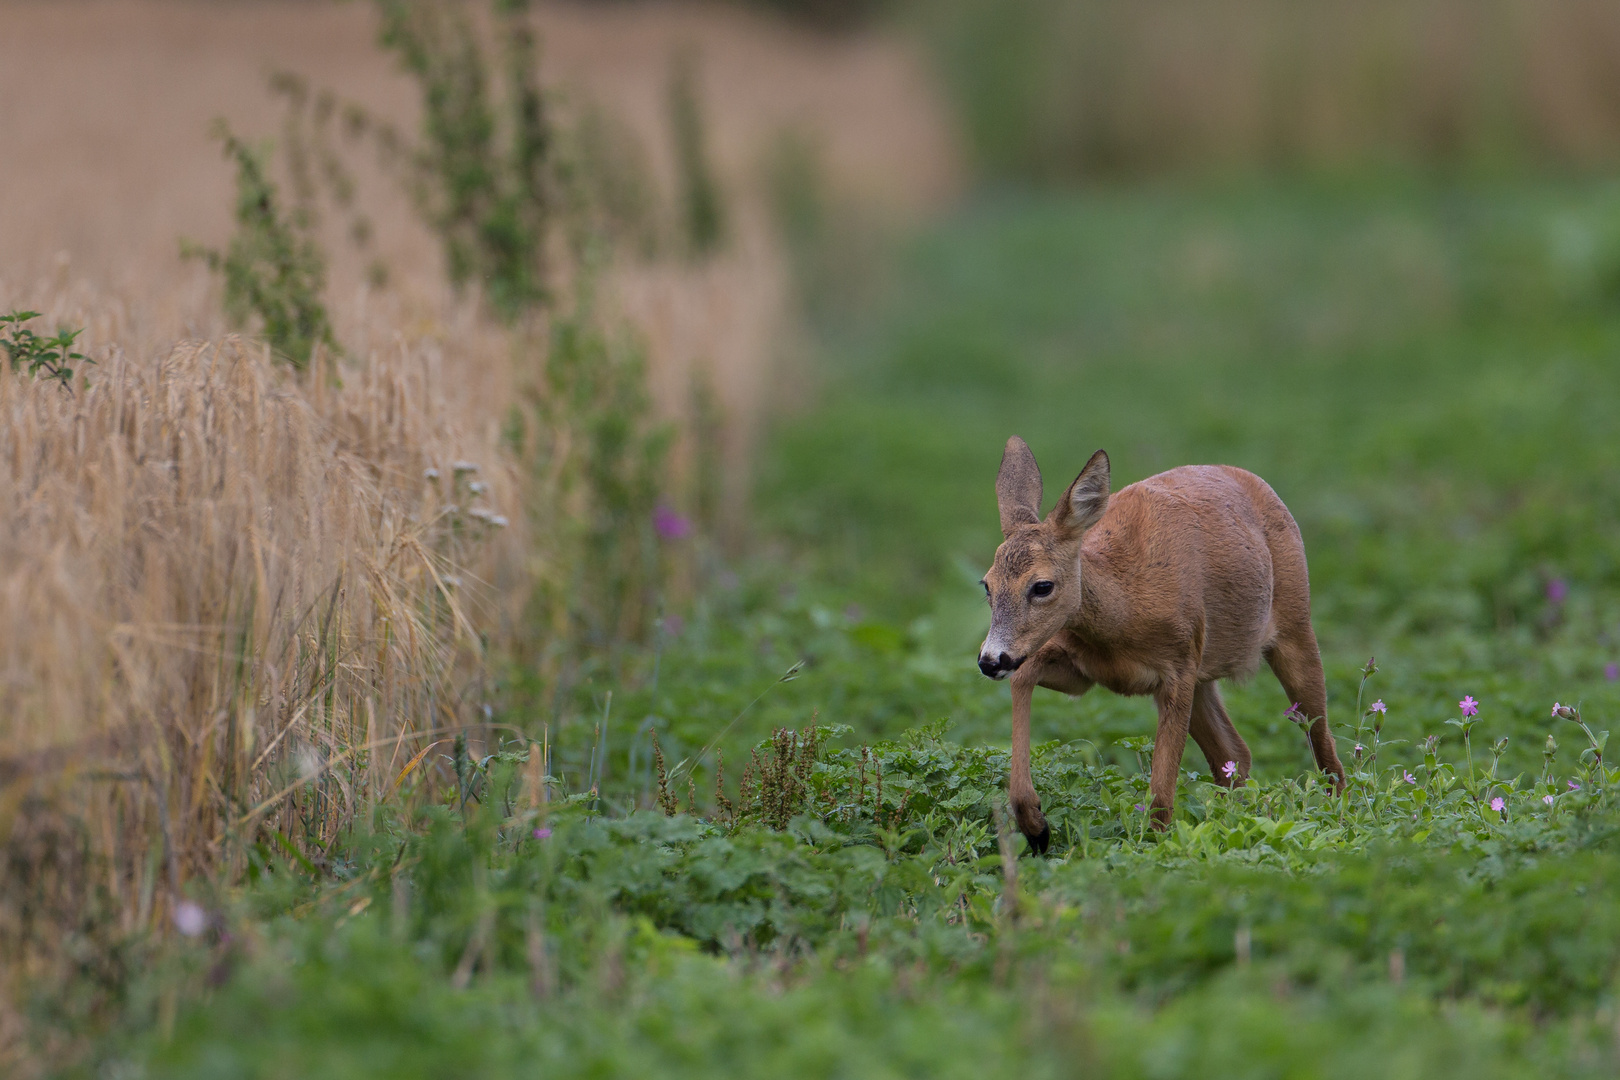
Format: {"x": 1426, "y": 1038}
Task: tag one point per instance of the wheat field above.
{"x": 240, "y": 604}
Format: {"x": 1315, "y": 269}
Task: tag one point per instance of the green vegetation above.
{"x": 274, "y": 271}
{"x": 51, "y": 357}
{"x": 485, "y": 173}
{"x": 703, "y": 223}
{"x": 1065, "y": 89}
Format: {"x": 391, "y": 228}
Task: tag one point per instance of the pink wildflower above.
{"x": 1408, "y": 777}
{"x": 1574, "y": 785}
{"x": 1548, "y": 799}
{"x": 1229, "y": 770}
{"x": 1378, "y": 707}
{"x": 1612, "y": 672}
{"x": 669, "y": 524}
{"x": 1499, "y": 804}
{"x": 1557, "y": 590}
{"x": 542, "y": 833}
{"x": 1469, "y": 706}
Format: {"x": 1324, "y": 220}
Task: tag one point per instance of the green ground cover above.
{"x": 1427, "y": 376}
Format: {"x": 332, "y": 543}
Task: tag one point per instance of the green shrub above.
{"x": 51, "y": 357}
{"x": 703, "y": 223}
{"x": 485, "y": 172}
{"x": 274, "y": 272}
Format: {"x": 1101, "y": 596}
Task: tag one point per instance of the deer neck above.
{"x": 1104, "y": 605}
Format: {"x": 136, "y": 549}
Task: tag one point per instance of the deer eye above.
{"x": 1041, "y": 588}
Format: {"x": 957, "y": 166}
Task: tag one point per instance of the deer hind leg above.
{"x": 1297, "y": 663}
{"x": 1212, "y": 730}
{"x": 1175, "y": 703}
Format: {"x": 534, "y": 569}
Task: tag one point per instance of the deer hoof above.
{"x": 1039, "y": 842}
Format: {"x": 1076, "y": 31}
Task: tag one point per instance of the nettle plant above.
{"x": 49, "y": 357}
{"x": 273, "y": 270}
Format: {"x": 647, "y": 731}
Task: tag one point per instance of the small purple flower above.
{"x": 1408, "y": 777}
{"x": 1548, "y": 799}
{"x": 1499, "y": 804}
{"x": 1557, "y": 590}
{"x": 1360, "y": 749}
{"x": 1229, "y": 770}
{"x": 1612, "y": 672}
{"x": 670, "y": 525}
{"x": 189, "y": 918}
{"x": 542, "y": 833}
{"x": 1296, "y": 714}
{"x": 1378, "y": 707}
{"x": 1469, "y": 706}
{"x": 1139, "y": 808}
{"x": 1574, "y": 785}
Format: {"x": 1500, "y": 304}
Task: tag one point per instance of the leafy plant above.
{"x": 51, "y": 357}
{"x": 273, "y": 269}
{"x": 595, "y": 438}
{"x": 486, "y": 173}
{"x": 702, "y": 213}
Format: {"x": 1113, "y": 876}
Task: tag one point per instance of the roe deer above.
{"x": 1190, "y": 576}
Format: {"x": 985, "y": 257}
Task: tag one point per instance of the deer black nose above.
{"x": 992, "y": 668}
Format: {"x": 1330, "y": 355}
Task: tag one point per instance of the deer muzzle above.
{"x": 998, "y": 666}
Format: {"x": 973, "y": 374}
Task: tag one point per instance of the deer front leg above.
{"x": 1026, "y": 805}
{"x": 1175, "y": 701}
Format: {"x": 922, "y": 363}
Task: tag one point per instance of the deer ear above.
{"x": 1018, "y": 487}
{"x": 1086, "y": 498}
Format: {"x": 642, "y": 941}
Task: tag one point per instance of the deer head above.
{"x": 1034, "y": 584}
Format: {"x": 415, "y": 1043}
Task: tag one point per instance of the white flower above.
{"x": 488, "y": 517}
{"x": 189, "y": 918}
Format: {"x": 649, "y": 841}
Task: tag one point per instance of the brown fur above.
{"x": 1187, "y": 577}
